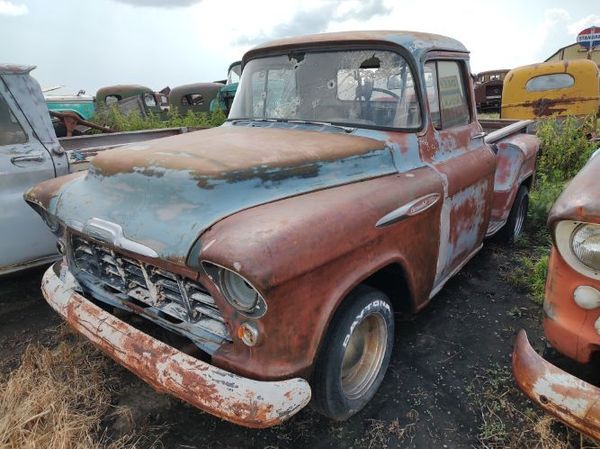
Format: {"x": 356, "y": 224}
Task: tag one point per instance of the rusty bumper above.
{"x": 237, "y": 399}
{"x": 568, "y": 398}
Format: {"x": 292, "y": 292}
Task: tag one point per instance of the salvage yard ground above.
{"x": 449, "y": 384}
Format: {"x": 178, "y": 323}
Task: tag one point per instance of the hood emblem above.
{"x": 112, "y": 233}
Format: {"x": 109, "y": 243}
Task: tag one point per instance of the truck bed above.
{"x": 498, "y": 129}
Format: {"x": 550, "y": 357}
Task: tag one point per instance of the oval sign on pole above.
{"x": 589, "y": 38}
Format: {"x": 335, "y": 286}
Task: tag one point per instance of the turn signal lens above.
{"x": 248, "y": 333}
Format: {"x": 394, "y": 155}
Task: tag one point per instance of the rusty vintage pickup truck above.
{"x": 571, "y": 307}
{"x": 350, "y": 182}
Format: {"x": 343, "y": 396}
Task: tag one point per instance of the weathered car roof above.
{"x": 194, "y": 88}
{"x": 123, "y": 89}
{"x": 15, "y": 69}
{"x": 415, "y": 42}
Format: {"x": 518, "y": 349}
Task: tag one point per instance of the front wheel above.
{"x": 355, "y": 354}
{"x": 513, "y": 228}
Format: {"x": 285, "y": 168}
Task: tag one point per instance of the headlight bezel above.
{"x": 564, "y": 233}
{"x": 220, "y": 276}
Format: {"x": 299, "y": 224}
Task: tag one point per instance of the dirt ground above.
{"x": 433, "y": 396}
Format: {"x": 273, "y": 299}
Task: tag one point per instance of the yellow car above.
{"x": 556, "y": 88}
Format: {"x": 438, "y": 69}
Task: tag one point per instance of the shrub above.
{"x": 116, "y": 120}
{"x": 565, "y": 147}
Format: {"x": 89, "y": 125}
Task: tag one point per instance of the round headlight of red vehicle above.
{"x": 585, "y": 243}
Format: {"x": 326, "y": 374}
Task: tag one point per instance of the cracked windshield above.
{"x": 366, "y": 87}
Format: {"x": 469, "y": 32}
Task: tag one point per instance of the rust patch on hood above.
{"x": 223, "y": 151}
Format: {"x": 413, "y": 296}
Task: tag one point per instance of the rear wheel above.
{"x": 355, "y": 354}
{"x": 513, "y": 229}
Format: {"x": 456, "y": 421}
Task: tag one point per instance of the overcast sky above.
{"x": 93, "y": 43}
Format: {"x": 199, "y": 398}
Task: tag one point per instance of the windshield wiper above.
{"x": 347, "y": 129}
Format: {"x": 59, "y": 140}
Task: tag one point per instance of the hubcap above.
{"x": 364, "y": 356}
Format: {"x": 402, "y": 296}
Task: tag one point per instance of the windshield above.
{"x": 362, "y": 87}
{"x": 233, "y": 76}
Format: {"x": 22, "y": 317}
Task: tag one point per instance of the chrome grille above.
{"x": 130, "y": 279}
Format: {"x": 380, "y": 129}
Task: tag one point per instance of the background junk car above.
{"x": 129, "y": 98}
{"x": 195, "y": 97}
{"x": 557, "y": 89}
{"x": 343, "y": 187}
{"x": 571, "y": 308}
{"x": 488, "y": 90}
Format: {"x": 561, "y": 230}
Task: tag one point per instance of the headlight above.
{"x": 237, "y": 290}
{"x": 586, "y": 245}
{"x": 579, "y": 245}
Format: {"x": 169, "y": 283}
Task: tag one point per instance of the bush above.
{"x": 116, "y": 120}
{"x": 565, "y": 147}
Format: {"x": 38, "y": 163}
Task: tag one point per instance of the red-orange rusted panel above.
{"x": 570, "y": 399}
{"x": 568, "y": 327}
{"x": 580, "y": 201}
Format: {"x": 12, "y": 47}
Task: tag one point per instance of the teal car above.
{"x": 226, "y": 94}
{"x": 82, "y": 105}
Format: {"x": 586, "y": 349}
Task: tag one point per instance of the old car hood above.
{"x": 164, "y": 193}
{"x": 580, "y": 200}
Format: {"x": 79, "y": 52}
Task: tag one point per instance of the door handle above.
{"x": 35, "y": 157}
{"x": 480, "y": 135}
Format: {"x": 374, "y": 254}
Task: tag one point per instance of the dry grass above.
{"x": 509, "y": 420}
{"x": 57, "y": 399}
{"x": 382, "y": 435}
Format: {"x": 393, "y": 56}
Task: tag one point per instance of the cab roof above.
{"x": 414, "y": 42}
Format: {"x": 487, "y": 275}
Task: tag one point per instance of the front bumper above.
{"x": 243, "y": 401}
{"x": 573, "y": 401}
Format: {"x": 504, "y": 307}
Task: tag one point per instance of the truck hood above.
{"x": 165, "y": 193}
{"x": 580, "y": 200}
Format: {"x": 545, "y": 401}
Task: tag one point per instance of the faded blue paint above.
{"x": 416, "y": 43}
{"x": 167, "y": 209}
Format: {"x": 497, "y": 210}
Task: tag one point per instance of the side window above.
{"x": 149, "y": 100}
{"x": 549, "y": 82}
{"x": 450, "y": 95}
{"x": 197, "y": 99}
{"x": 432, "y": 94}
{"x": 11, "y": 132}
{"x": 111, "y": 99}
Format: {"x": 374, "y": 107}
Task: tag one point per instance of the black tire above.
{"x": 513, "y": 229}
{"x": 367, "y": 313}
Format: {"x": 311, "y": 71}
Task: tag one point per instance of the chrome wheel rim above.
{"x": 520, "y": 219}
{"x": 363, "y": 356}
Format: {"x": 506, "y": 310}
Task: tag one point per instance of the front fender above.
{"x": 307, "y": 252}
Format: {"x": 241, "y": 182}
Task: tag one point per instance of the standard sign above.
{"x": 589, "y": 38}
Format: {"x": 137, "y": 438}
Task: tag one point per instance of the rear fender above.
{"x": 515, "y": 163}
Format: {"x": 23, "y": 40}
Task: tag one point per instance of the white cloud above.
{"x": 8, "y": 8}
{"x": 579, "y": 25}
